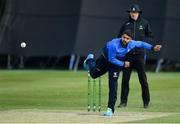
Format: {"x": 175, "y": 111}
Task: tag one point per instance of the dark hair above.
{"x": 128, "y": 32}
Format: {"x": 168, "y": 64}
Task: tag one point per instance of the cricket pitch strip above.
{"x": 59, "y": 116}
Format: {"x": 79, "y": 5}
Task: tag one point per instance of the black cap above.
{"x": 128, "y": 32}
{"x": 134, "y": 8}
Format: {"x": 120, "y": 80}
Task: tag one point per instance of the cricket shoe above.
{"x": 108, "y": 113}
{"x": 121, "y": 105}
{"x": 85, "y": 64}
{"x": 146, "y": 105}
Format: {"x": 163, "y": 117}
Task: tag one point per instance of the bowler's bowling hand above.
{"x": 126, "y": 64}
{"x": 157, "y": 48}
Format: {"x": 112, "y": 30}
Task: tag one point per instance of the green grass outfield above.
{"x": 64, "y": 90}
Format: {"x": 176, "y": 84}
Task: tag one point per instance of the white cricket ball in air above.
{"x": 23, "y": 44}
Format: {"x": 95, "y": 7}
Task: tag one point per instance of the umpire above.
{"x": 142, "y": 32}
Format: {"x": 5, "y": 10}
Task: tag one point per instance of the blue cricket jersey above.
{"x": 116, "y": 51}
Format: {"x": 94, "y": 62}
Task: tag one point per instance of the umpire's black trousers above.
{"x": 137, "y": 63}
{"x": 100, "y": 67}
